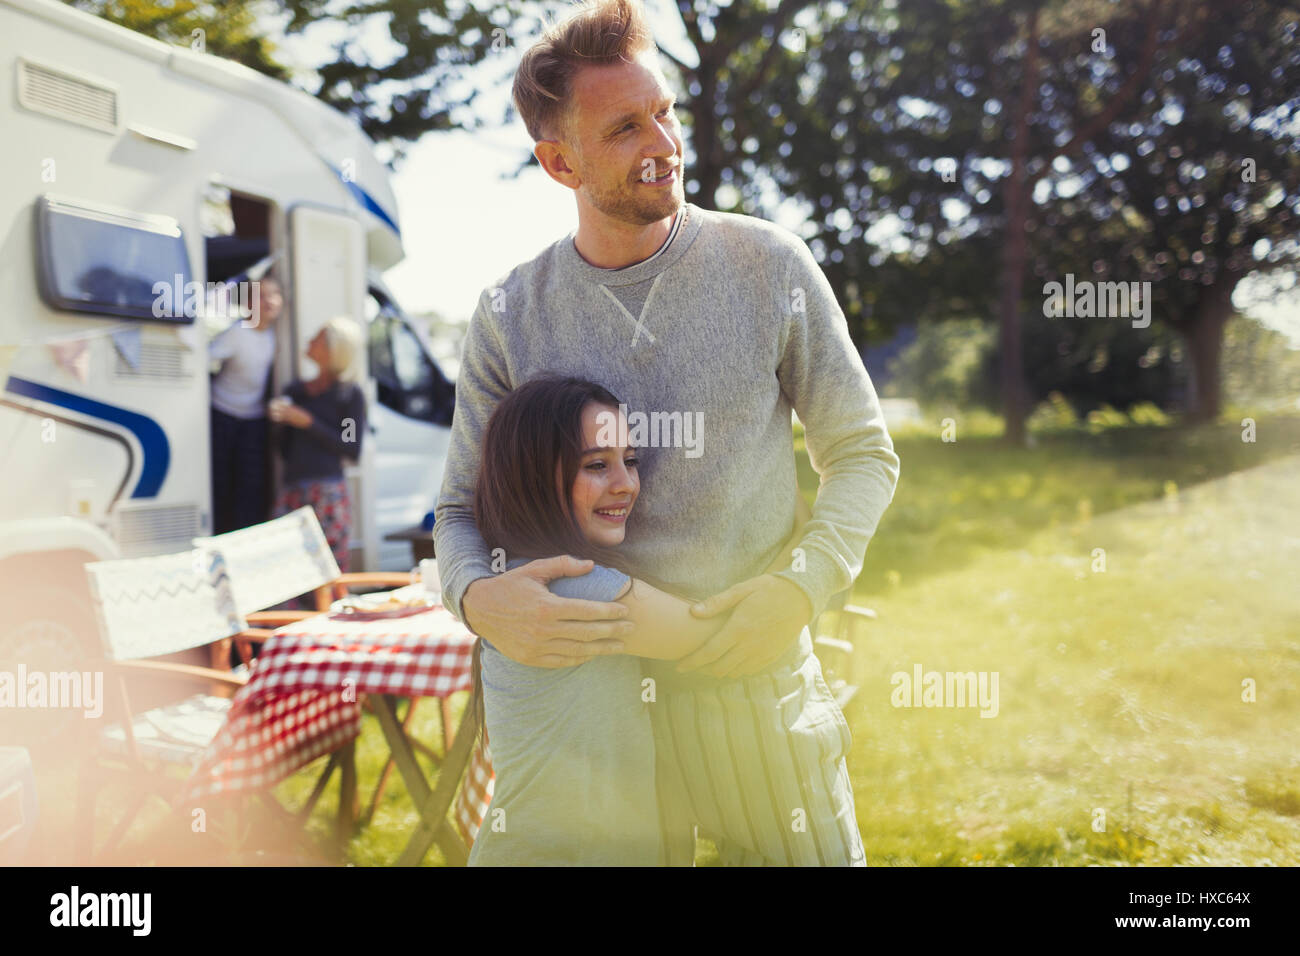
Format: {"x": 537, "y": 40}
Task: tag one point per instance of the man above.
{"x": 687, "y": 312}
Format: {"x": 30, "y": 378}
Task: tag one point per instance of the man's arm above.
{"x": 481, "y": 384}
{"x": 513, "y": 609}
{"x": 823, "y": 377}
{"x": 848, "y": 445}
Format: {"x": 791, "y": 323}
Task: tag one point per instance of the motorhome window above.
{"x": 414, "y": 370}
{"x": 406, "y": 379}
{"x": 110, "y": 263}
{"x": 381, "y": 358}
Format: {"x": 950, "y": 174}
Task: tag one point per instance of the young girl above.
{"x": 572, "y": 747}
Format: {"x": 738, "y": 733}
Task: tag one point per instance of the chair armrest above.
{"x": 859, "y": 611}
{"x": 834, "y": 642}
{"x": 257, "y": 634}
{"x": 187, "y": 672}
{"x": 277, "y": 618}
{"x": 385, "y": 579}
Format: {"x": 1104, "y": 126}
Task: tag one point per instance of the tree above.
{"x": 1206, "y": 178}
{"x": 933, "y": 138}
{"x": 1033, "y": 97}
{"x": 418, "y": 89}
{"x": 945, "y": 115}
{"x": 226, "y": 28}
{"x": 737, "y": 48}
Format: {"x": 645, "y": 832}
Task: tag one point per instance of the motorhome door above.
{"x": 328, "y": 278}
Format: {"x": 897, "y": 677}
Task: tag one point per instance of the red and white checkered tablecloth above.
{"x": 301, "y": 701}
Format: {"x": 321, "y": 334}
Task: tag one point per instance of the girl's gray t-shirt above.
{"x": 573, "y": 755}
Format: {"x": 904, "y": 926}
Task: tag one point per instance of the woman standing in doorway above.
{"x": 326, "y": 417}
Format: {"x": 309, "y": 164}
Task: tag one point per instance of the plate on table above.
{"x": 378, "y": 607}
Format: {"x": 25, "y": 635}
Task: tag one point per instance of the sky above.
{"x": 464, "y": 226}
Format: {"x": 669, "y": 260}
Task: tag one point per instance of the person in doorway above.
{"x": 245, "y": 352}
{"x": 325, "y": 418}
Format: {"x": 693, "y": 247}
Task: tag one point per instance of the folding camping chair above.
{"x": 833, "y": 635}
{"x": 146, "y": 608}
{"x": 280, "y": 559}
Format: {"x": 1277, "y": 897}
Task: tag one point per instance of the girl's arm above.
{"x": 665, "y": 629}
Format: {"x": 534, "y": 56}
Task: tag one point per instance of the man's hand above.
{"x": 528, "y": 624}
{"x": 769, "y": 613}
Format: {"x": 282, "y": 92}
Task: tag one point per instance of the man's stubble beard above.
{"x": 643, "y": 211}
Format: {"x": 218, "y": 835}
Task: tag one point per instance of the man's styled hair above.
{"x": 598, "y": 33}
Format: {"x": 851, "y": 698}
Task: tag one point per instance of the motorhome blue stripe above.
{"x": 367, "y": 201}
{"x": 153, "y": 440}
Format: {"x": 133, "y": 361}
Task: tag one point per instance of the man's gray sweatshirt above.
{"x": 730, "y": 326}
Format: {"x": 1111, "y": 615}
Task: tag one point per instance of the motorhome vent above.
{"x": 161, "y": 363}
{"x": 55, "y": 92}
{"x": 143, "y": 532}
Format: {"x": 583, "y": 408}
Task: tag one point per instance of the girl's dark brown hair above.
{"x": 519, "y": 505}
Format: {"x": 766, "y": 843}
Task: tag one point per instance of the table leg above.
{"x": 439, "y": 802}
{"x": 446, "y": 725}
{"x": 345, "y": 825}
{"x": 321, "y": 783}
{"x": 388, "y": 764}
{"x": 431, "y": 805}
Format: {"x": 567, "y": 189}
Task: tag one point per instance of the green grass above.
{"x": 1121, "y": 692}
{"x": 959, "y": 501}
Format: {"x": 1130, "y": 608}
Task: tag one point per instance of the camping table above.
{"x": 302, "y": 701}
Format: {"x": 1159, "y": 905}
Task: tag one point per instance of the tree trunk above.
{"x": 1205, "y": 346}
{"x": 704, "y": 137}
{"x": 1010, "y": 347}
{"x": 1014, "y": 252}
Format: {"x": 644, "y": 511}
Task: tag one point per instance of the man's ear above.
{"x": 554, "y": 158}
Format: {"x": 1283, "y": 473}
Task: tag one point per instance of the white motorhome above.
{"x": 129, "y": 161}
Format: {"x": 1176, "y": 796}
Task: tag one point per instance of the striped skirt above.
{"x": 328, "y": 497}
{"x": 757, "y": 764}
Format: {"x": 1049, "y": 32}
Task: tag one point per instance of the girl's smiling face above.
{"x": 607, "y": 483}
